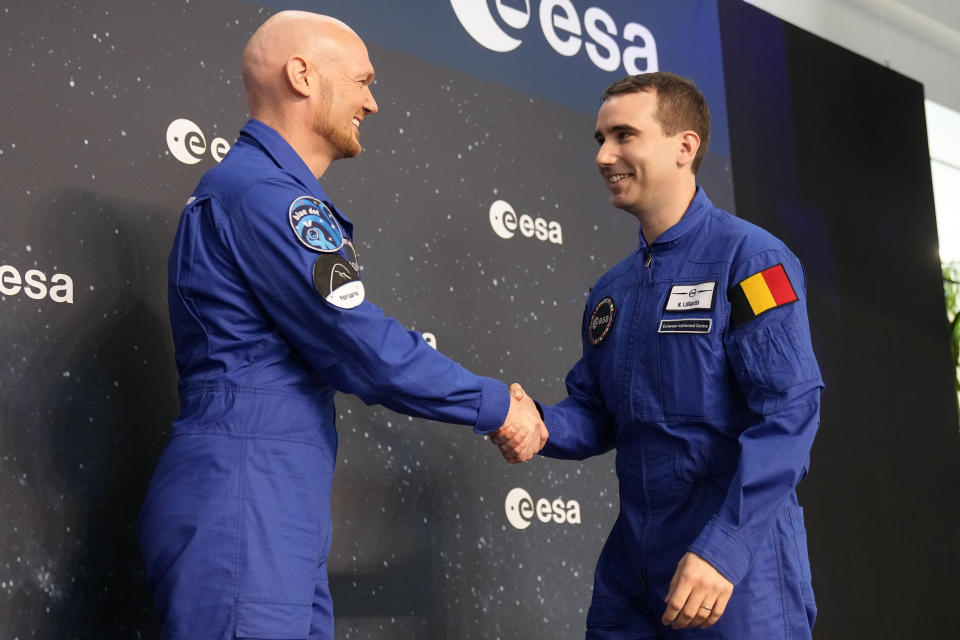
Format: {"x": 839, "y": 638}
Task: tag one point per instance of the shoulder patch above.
{"x": 315, "y": 225}
{"x": 761, "y": 292}
{"x": 337, "y": 281}
{"x": 601, "y": 320}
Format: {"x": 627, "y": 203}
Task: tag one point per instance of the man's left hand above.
{"x": 698, "y": 594}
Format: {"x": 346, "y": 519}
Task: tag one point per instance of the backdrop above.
{"x": 480, "y": 221}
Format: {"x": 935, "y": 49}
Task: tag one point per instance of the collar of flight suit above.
{"x": 692, "y": 218}
{"x": 280, "y": 151}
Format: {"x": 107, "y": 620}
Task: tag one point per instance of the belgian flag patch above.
{"x": 765, "y": 290}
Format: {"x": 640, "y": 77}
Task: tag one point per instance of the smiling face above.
{"x": 641, "y": 166}
{"x": 345, "y": 100}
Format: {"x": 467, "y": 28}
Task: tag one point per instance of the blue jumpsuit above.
{"x": 698, "y": 368}
{"x": 269, "y": 320}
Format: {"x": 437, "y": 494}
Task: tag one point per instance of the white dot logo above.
{"x": 476, "y": 18}
{"x": 519, "y": 508}
{"x": 186, "y": 141}
{"x": 501, "y": 214}
{"x": 188, "y": 144}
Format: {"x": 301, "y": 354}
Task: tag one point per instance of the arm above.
{"x": 357, "y": 350}
{"x": 580, "y": 425}
{"x": 772, "y": 358}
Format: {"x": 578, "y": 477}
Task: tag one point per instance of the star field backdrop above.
{"x": 114, "y": 109}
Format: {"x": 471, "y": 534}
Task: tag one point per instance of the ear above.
{"x": 298, "y": 76}
{"x": 689, "y": 145}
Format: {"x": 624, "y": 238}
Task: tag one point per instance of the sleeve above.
{"x": 580, "y": 425}
{"x": 769, "y": 349}
{"x": 356, "y": 350}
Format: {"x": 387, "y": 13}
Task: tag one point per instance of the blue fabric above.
{"x": 712, "y": 430}
{"x": 235, "y": 529}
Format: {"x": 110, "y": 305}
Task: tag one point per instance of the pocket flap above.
{"x": 273, "y": 620}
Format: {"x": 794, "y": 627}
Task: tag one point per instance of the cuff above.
{"x": 723, "y": 547}
{"x": 494, "y": 406}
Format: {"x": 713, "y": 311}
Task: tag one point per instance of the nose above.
{"x": 605, "y": 157}
{"x": 369, "y": 104}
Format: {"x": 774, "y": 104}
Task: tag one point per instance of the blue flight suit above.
{"x": 235, "y": 529}
{"x": 711, "y": 398}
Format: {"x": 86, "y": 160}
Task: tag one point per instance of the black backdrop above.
{"x": 830, "y": 150}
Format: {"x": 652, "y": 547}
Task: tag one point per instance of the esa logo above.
{"x": 33, "y": 284}
{"x": 188, "y": 145}
{"x": 563, "y": 30}
{"x": 521, "y": 509}
{"x": 506, "y": 223}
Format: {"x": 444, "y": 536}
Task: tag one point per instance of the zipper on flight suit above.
{"x": 643, "y": 463}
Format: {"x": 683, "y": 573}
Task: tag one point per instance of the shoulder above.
{"x": 741, "y": 242}
{"x": 248, "y": 179}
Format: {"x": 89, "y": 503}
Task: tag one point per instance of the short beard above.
{"x": 342, "y": 139}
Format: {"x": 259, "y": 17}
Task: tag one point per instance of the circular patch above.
{"x": 601, "y": 320}
{"x": 337, "y": 281}
{"x": 315, "y": 225}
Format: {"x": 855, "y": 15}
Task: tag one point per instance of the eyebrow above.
{"x": 365, "y": 76}
{"x": 614, "y": 129}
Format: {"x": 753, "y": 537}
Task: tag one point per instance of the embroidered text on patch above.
{"x": 692, "y": 325}
{"x": 691, "y": 297}
{"x": 601, "y": 320}
{"x": 337, "y": 281}
{"x": 315, "y": 225}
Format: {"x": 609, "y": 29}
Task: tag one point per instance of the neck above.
{"x": 666, "y": 212}
{"x": 314, "y": 150}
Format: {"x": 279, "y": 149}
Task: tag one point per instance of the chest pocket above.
{"x": 695, "y": 378}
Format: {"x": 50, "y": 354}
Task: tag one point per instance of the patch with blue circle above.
{"x": 315, "y": 225}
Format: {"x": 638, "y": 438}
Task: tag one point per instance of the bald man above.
{"x": 269, "y": 319}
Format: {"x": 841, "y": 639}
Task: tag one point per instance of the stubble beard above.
{"x": 342, "y": 139}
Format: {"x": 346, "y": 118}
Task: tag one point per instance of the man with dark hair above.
{"x": 698, "y": 368}
{"x": 270, "y": 319}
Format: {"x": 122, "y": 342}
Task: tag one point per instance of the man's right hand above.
{"x": 523, "y": 433}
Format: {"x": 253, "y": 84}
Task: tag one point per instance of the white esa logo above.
{"x": 521, "y": 509}
{"x": 563, "y": 30}
{"x": 188, "y": 145}
{"x": 33, "y": 284}
{"x": 505, "y": 223}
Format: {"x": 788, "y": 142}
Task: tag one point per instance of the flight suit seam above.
{"x": 778, "y": 552}
{"x": 241, "y": 472}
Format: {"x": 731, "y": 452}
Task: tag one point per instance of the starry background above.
{"x": 422, "y": 547}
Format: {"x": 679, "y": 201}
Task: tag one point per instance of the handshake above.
{"x": 523, "y": 433}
